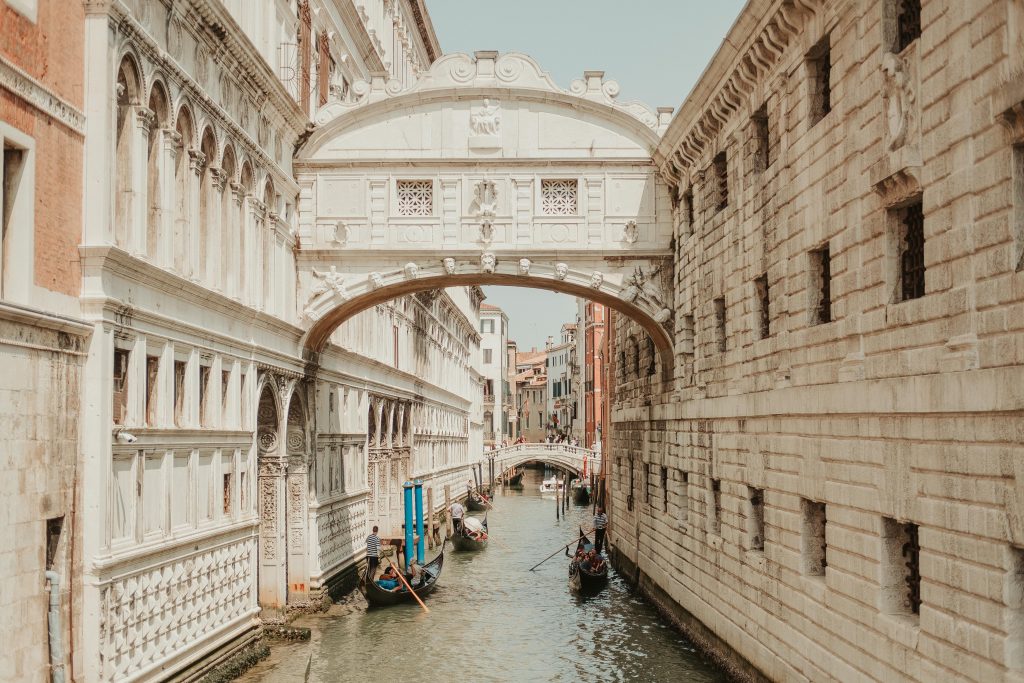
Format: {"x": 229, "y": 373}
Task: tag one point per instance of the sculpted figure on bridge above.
{"x": 412, "y": 271}
{"x": 524, "y": 266}
{"x": 597, "y": 279}
{"x": 561, "y": 270}
{"x": 449, "y": 265}
{"x": 488, "y": 262}
{"x": 487, "y": 120}
{"x": 332, "y": 280}
{"x": 376, "y": 280}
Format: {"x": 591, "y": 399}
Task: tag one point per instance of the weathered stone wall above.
{"x": 895, "y": 413}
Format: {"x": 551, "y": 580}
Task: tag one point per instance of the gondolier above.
{"x": 600, "y": 526}
{"x": 372, "y": 553}
{"x": 458, "y": 512}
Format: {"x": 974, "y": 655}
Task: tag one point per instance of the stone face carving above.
{"x": 486, "y": 120}
{"x": 449, "y": 265}
{"x": 630, "y": 233}
{"x": 596, "y": 279}
{"x": 898, "y": 97}
{"x": 524, "y": 266}
{"x": 412, "y": 271}
{"x": 663, "y": 315}
{"x": 488, "y": 262}
{"x": 376, "y": 280}
{"x": 561, "y": 270}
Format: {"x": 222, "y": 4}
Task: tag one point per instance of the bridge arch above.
{"x": 572, "y": 458}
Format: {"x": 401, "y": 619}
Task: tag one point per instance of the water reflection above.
{"x": 493, "y": 620}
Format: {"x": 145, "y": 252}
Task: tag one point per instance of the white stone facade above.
{"x": 493, "y": 366}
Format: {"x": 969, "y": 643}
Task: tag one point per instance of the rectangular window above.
{"x": 243, "y": 492}
{"x": 901, "y": 569}
{"x": 1018, "y": 207}
{"x": 819, "y": 68}
{"x": 123, "y": 497}
{"x": 720, "y": 168}
{"x": 120, "y": 404}
{"x": 558, "y": 197}
{"x": 204, "y": 392}
{"x": 629, "y": 498}
{"x": 821, "y": 286}
{"x": 905, "y": 20}
{"x": 54, "y": 527}
{"x": 813, "y": 550}
{"x": 152, "y": 389}
{"x": 664, "y": 489}
{"x": 153, "y": 493}
{"x": 762, "y": 306}
{"x": 488, "y": 356}
{"x": 225, "y": 380}
{"x": 684, "y": 496}
{"x": 227, "y": 476}
{"x": 762, "y": 141}
{"x": 415, "y": 197}
{"x": 204, "y": 484}
{"x": 910, "y": 238}
{"x": 181, "y": 491}
{"x": 179, "y": 393}
{"x": 12, "y": 165}
{"x": 688, "y": 211}
{"x": 716, "y": 506}
{"x": 755, "y": 523}
{"x": 720, "y": 337}
{"x": 487, "y": 326}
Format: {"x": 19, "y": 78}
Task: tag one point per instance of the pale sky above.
{"x": 655, "y": 49}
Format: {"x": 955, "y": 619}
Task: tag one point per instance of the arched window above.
{"x": 268, "y": 239}
{"x": 127, "y": 94}
{"x": 154, "y": 198}
{"x": 182, "y": 195}
{"x": 208, "y": 218}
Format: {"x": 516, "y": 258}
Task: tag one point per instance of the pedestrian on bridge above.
{"x": 600, "y": 527}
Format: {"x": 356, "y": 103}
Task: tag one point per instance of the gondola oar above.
{"x": 408, "y": 587}
{"x": 560, "y": 548}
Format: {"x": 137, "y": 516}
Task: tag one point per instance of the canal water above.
{"x": 493, "y": 620}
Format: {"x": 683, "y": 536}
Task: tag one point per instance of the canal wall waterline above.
{"x": 712, "y": 646}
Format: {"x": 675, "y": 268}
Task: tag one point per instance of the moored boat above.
{"x": 473, "y": 535}
{"x": 581, "y": 577}
{"x": 515, "y": 480}
{"x": 476, "y": 502}
{"x": 551, "y": 485}
{"x": 380, "y": 597}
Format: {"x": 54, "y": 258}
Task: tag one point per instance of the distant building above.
{"x": 494, "y": 368}
{"x": 560, "y": 400}
{"x": 590, "y": 343}
{"x": 531, "y": 394}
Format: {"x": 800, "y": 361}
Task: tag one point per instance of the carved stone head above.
{"x": 524, "y": 266}
{"x": 449, "y": 265}
{"x": 596, "y": 279}
{"x": 561, "y": 270}
{"x": 412, "y": 271}
{"x": 376, "y": 280}
{"x": 488, "y": 262}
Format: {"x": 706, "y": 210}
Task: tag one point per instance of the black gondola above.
{"x": 581, "y": 494}
{"x": 379, "y": 597}
{"x": 582, "y": 579}
{"x": 476, "y": 503}
{"x": 464, "y": 541}
{"x": 515, "y": 480}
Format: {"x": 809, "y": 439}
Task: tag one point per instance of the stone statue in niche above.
{"x": 488, "y": 262}
{"x": 486, "y": 120}
{"x": 630, "y": 233}
{"x": 449, "y": 265}
{"x": 376, "y": 280}
{"x": 332, "y": 281}
{"x": 898, "y": 99}
{"x": 339, "y": 233}
{"x": 524, "y": 266}
{"x": 597, "y": 279}
{"x": 561, "y": 271}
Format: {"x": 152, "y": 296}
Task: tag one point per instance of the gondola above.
{"x": 581, "y": 579}
{"x": 476, "y": 503}
{"x": 378, "y": 597}
{"x": 516, "y": 480}
{"x": 581, "y": 494}
{"x": 463, "y": 541}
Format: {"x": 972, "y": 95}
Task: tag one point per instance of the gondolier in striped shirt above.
{"x": 372, "y": 553}
{"x": 600, "y": 526}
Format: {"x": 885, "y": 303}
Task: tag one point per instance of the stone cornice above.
{"x": 37, "y": 318}
{"x": 20, "y": 83}
{"x": 753, "y": 47}
{"x": 364, "y": 44}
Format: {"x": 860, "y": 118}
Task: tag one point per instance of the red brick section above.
{"x": 51, "y": 51}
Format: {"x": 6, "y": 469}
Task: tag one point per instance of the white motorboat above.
{"x": 549, "y": 485}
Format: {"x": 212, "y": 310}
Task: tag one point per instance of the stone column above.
{"x": 232, "y": 284}
{"x": 140, "y": 201}
{"x": 171, "y": 147}
{"x": 196, "y": 164}
{"x": 214, "y": 272}
{"x": 255, "y": 213}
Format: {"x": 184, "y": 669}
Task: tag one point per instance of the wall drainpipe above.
{"x": 53, "y": 621}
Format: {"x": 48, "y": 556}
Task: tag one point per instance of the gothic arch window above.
{"x": 296, "y": 426}
{"x": 154, "y": 166}
{"x": 267, "y": 422}
{"x": 182, "y": 191}
{"x": 371, "y": 425}
{"x": 244, "y": 231}
{"x": 229, "y": 240}
{"x": 127, "y": 93}
{"x": 208, "y": 218}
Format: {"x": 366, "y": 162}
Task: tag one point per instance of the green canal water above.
{"x": 493, "y": 620}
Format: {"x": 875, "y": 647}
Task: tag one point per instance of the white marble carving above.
{"x": 412, "y": 271}
{"x": 376, "y": 280}
{"x": 898, "y": 98}
{"x": 449, "y": 265}
{"x": 488, "y": 262}
{"x": 524, "y": 266}
{"x": 596, "y": 279}
{"x": 630, "y": 233}
{"x": 561, "y": 270}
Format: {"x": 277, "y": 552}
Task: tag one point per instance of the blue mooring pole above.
{"x": 419, "y": 521}
{"x": 408, "y": 523}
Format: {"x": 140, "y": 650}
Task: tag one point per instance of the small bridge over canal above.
{"x": 579, "y": 461}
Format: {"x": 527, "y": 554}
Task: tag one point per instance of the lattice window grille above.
{"x": 415, "y": 197}
{"x": 559, "y": 197}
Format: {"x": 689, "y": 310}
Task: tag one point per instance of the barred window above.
{"x": 763, "y": 303}
{"x": 911, "y": 227}
{"x": 720, "y": 337}
{"x": 558, "y": 197}
{"x": 819, "y": 63}
{"x": 821, "y": 286}
{"x": 908, "y": 23}
{"x": 415, "y": 197}
{"x": 813, "y": 546}
{"x": 720, "y": 166}
{"x": 901, "y": 570}
{"x": 762, "y": 141}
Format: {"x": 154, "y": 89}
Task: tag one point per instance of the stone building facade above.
{"x": 828, "y": 483}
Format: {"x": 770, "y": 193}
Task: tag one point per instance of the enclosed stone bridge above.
{"x": 572, "y": 458}
{"x": 484, "y": 172}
